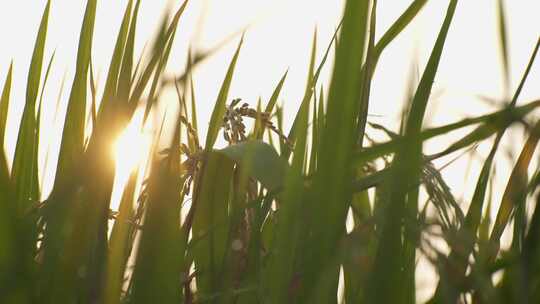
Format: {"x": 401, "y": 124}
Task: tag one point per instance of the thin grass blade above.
{"x": 219, "y": 107}
{"x": 389, "y": 270}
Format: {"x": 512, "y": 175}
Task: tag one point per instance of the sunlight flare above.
{"x": 129, "y": 151}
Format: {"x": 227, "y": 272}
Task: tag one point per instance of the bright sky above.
{"x": 278, "y": 38}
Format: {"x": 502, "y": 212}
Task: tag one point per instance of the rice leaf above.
{"x": 157, "y": 75}
{"x": 354, "y": 272}
{"x": 367, "y": 74}
{"x": 4, "y": 106}
{"x": 165, "y": 36}
{"x": 495, "y": 121}
{"x": 219, "y": 107}
{"x": 194, "y": 123}
{"x": 397, "y": 27}
{"x": 119, "y": 249}
{"x": 516, "y": 186}
{"x": 529, "y": 262}
{"x": 160, "y": 253}
{"x": 211, "y": 220}
{"x": 126, "y": 71}
{"x": 111, "y": 84}
{"x": 314, "y": 135}
{"x": 93, "y": 106}
{"x": 520, "y": 172}
{"x": 458, "y": 259}
{"x": 8, "y": 234}
{"x": 71, "y": 149}
{"x": 275, "y": 95}
{"x": 330, "y": 195}
{"x": 286, "y": 232}
{"x": 267, "y": 167}
{"x": 308, "y": 94}
{"x": 388, "y": 270}
{"x": 354, "y": 277}
{"x": 24, "y": 173}
{"x": 503, "y": 40}
{"x": 72, "y": 144}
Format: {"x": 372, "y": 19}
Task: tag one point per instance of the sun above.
{"x": 131, "y": 147}
{"x": 130, "y": 151}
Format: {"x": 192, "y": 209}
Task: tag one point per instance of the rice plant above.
{"x": 264, "y": 219}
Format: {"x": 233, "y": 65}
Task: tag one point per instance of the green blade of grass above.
{"x": 71, "y": 149}
{"x": 88, "y": 249}
{"x": 111, "y": 84}
{"x": 47, "y": 73}
{"x": 529, "y": 262}
{"x": 72, "y": 144}
{"x": 309, "y": 90}
{"x": 211, "y": 220}
{"x": 320, "y": 115}
{"x": 289, "y": 211}
{"x": 331, "y": 193}
{"x": 219, "y": 107}
{"x": 38, "y": 116}
{"x": 397, "y": 27}
{"x": 119, "y": 249}
{"x": 255, "y": 257}
{"x": 311, "y": 69}
{"x": 501, "y": 16}
{"x": 275, "y": 95}
{"x": 354, "y": 277}
{"x": 191, "y": 133}
{"x": 318, "y": 125}
{"x": 271, "y": 105}
{"x": 157, "y": 75}
{"x": 395, "y": 260}
{"x": 286, "y": 232}
{"x": 162, "y": 235}
{"x": 308, "y": 94}
{"x": 354, "y": 272}
{"x": 24, "y": 173}
{"x": 516, "y": 186}
{"x": 119, "y": 241}
{"x": 194, "y": 123}
{"x": 514, "y": 194}
{"x": 314, "y": 135}
{"x": 493, "y": 122}
{"x": 367, "y": 75}
{"x": 160, "y": 53}
{"x": 8, "y": 234}
{"x": 160, "y": 253}
{"x": 93, "y": 89}
{"x": 4, "y": 106}
{"x": 126, "y": 71}
{"x": 99, "y": 166}
{"x": 247, "y": 156}
{"x": 268, "y": 168}
{"x": 458, "y": 260}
